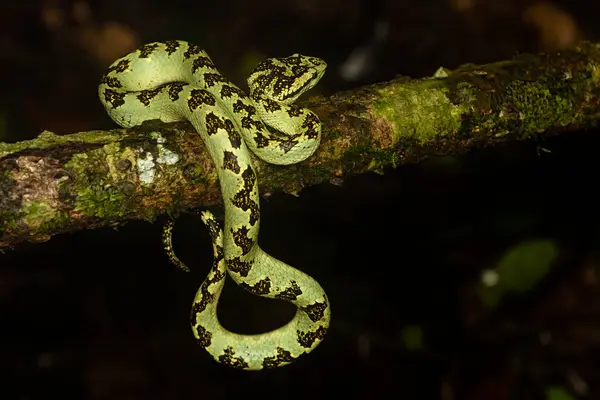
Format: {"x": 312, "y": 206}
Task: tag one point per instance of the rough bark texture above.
{"x": 55, "y": 184}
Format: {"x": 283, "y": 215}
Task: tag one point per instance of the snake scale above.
{"x": 174, "y": 81}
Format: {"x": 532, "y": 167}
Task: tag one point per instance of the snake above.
{"x": 177, "y": 81}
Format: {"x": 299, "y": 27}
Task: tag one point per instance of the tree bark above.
{"x": 55, "y": 184}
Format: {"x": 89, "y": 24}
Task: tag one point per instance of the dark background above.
{"x": 102, "y": 314}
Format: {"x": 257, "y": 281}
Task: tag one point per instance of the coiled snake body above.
{"x": 174, "y": 81}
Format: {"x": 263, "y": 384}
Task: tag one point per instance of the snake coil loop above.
{"x": 176, "y": 80}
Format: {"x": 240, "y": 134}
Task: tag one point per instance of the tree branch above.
{"x": 55, "y": 184}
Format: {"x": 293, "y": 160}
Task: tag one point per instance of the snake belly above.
{"x": 175, "y": 80}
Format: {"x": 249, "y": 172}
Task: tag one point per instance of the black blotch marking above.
{"x": 230, "y": 162}
{"x": 241, "y": 239}
{"x": 238, "y": 266}
{"x": 211, "y": 79}
{"x": 171, "y": 46}
{"x": 174, "y": 90}
{"x": 258, "y": 95}
{"x": 282, "y": 357}
{"x": 192, "y": 50}
{"x": 311, "y": 126}
{"x": 307, "y": 339}
{"x": 218, "y": 257}
{"x": 147, "y": 49}
{"x": 111, "y": 81}
{"x": 228, "y": 358}
{"x": 291, "y": 293}
{"x": 204, "y": 337}
{"x": 202, "y": 62}
{"x": 261, "y": 287}
{"x": 214, "y": 228}
{"x": 213, "y": 123}
{"x": 234, "y": 136}
{"x": 121, "y": 66}
{"x": 294, "y": 110}
{"x": 261, "y": 140}
{"x": 242, "y": 199}
{"x": 207, "y": 297}
{"x": 114, "y": 98}
{"x": 240, "y": 106}
{"x": 230, "y": 91}
{"x": 270, "y": 105}
{"x": 248, "y": 121}
{"x": 146, "y": 96}
{"x": 316, "y": 311}
{"x": 198, "y": 97}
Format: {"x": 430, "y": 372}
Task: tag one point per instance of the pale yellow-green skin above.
{"x": 173, "y": 81}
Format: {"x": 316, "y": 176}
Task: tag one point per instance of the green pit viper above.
{"x": 175, "y": 80}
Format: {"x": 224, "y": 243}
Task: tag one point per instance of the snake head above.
{"x": 284, "y": 79}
